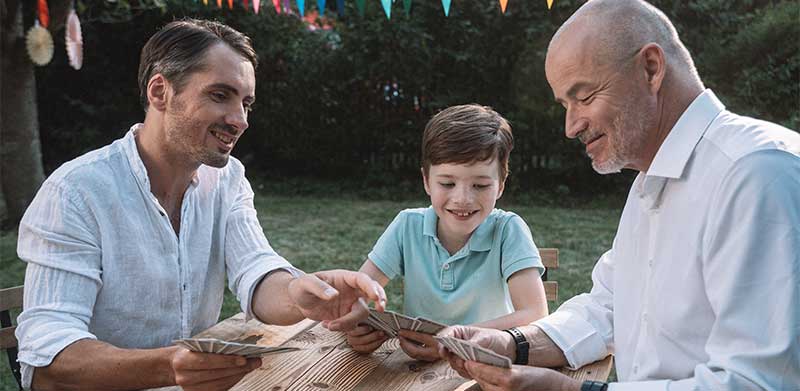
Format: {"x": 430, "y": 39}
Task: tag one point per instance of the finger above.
{"x": 358, "y": 312}
{"x": 424, "y": 353}
{"x": 487, "y": 373}
{"x": 369, "y": 348}
{"x": 189, "y": 377}
{"x": 186, "y": 360}
{"x": 366, "y": 339}
{"x": 361, "y": 330}
{"x": 318, "y": 287}
{"x": 425, "y": 339}
{"x": 368, "y": 287}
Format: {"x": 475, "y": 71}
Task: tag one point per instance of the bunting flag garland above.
{"x": 287, "y": 7}
{"x": 246, "y": 4}
{"x": 277, "y": 5}
{"x": 39, "y": 43}
{"x": 230, "y": 4}
{"x": 74, "y": 40}
{"x": 340, "y": 7}
{"x": 44, "y": 13}
{"x": 446, "y": 6}
{"x": 205, "y": 2}
{"x": 503, "y": 4}
{"x": 256, "y": 6}
{"x": 219, "y": 3}
{"x": 301, "y": 7}
{"x": 549, "y": 4}
{"x": 321, "y": 7}
{"x": 407, "y": 7}
{"x": 360, "y": 4}
{"x": 387, "y": 8}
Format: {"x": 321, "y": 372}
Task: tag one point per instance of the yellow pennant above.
{"x": 503, "y": 4}
{"x": 205, "y": 2}
{"x": 549, "y": 4}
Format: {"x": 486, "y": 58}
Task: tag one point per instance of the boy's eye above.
{"x": 447, "y": 185}
{"x": 481, "y": 186}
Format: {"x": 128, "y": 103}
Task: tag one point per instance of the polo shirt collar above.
{"x": 481, "y": 239}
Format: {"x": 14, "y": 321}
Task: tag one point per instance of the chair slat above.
{"x": 11, "y": 298}
{"x": 551, "y": 290}
{"x": 549, "y": 257}
{"x": 7, "y": 338}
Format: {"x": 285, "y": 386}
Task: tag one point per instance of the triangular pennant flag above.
{"x": 549, "y": 4}
{"x": 446, "y": 6}
{"x": 301, "y": 7}
{"x": 321, "y": 7}
{"x": 277, "y": 5}
{"x": 407, "y": 7}
{"x": 230, "y": 4}
{"x": 340, "y": 7}
{"x": 503, "y": 4}
{"x": 387, "y": 8}
{"x": 205, "y": 2}
{"x": 360, "y": 5}
{"x": 44, "y": 14}
{"x": 287, "y": 7}
{"x": 219, "y": 3}
{"x": 246, "y": 4}
{"x": 256, "y": 5}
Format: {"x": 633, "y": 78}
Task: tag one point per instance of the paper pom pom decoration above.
{"x": 39, "y": 44}
{"x": 74, "y": 40}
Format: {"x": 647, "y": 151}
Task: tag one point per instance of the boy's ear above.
{"x": 425, "y": 181}
{"x": 157, "y": 92}
{"x": 501, "y": 188}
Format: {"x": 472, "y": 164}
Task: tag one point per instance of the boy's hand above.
{"x": 364, "y": 339}
{"x": 426, "y": 348}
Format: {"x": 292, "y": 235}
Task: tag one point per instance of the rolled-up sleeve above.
{"x": 59, "y": 240}
{"x": 248, "y": 254}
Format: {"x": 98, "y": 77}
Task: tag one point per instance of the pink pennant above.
{"x": 256, "y": 5}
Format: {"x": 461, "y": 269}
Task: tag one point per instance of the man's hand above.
{"x": 332, "y": 296}
{"x": 519, "y": 377}
{"x": 364, "y": 339}
{"x": 498, "y": 341}
{"x": 426, "y": 348}
{"x": 195, "y": 371}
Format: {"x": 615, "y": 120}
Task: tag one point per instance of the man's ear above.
{"x": 425, "y": 181}
{"x": 157, "y": 89}
{"x": 655, "y": 65}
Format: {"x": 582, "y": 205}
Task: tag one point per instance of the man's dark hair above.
{"x": 178, "y": 50}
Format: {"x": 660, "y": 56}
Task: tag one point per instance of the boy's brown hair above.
{"x": 467, "y": 134}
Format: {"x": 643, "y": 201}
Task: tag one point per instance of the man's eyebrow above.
{"x": 230, "y": 89}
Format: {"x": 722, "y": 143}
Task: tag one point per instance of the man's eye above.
{"x": 218, "y": 96}
{"x": 587, "y": 99}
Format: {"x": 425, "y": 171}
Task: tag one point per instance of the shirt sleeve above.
{"x": 518, "y": 249}
{"x": 583, "y": 327}
{"x": 387, "y": 254}
{"x": 248, "y": 254}
{"x": 60, "y": 242}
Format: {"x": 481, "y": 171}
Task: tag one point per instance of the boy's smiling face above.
{"x": 462, "y": 195}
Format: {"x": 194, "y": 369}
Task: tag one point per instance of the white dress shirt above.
{"x": 702, "y": 284}
{"x": 105, "y": 263}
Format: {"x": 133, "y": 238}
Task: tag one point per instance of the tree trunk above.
{"x": 20, "y": 152}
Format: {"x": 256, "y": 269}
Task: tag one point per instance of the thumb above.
{"x": 312, "y": 285}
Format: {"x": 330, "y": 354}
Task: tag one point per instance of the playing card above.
{"x": 428, "y": 326}
{"x": 469, "y": 351}
{"x": 210, "y": 345}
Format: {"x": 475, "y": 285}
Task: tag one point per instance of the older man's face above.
{"x": 603, "y": 102}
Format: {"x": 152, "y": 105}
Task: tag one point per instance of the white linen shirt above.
{"x": 702, "y": 283}
{"x": 105, "y": 263}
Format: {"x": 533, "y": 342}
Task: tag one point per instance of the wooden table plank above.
{"x": 401, "y": 372}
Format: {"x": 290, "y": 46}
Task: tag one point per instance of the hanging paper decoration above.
{"x": 301, "y": 7}
{"x": 360, "y": 5}
{"x": 44, "y": 13}
{"x": 503, "y": 4}
{"x": 230, "y": 4}
{"x": 277, "y": 5}
{"x": 407, "y": 7}
{"x": 321, "y": 7}
{"x": 549, "y": 4}
{"x": 446, "y": 6}
{"x": 387, "y": 8}
{"x": 246, "y": 4}
{"x": 39, "y": 44}
{"x": 74, "y": 40}
{"x": 340, "y": 7}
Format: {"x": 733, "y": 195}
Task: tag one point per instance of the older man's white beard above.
{"x": 623, "y": 143}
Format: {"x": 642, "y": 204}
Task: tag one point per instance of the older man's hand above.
{"x": 496, "y": 340}
{"x": 519, "y": 377}
{"x": 333, "y": 296}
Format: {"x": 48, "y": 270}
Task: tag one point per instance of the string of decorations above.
{"x": 39, "y": 42}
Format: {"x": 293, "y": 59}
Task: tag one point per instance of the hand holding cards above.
{"x": 469, "y": 351}
{"x": 211, "y": 345}
{"x": 391, "y": 322}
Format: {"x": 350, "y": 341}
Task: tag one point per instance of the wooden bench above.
{"x": 10, "y": 298}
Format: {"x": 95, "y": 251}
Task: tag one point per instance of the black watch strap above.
{"x": 591, "y": 385}
{"x": 522, "y": 346}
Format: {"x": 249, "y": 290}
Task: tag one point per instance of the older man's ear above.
{"x": 654, "y": 64}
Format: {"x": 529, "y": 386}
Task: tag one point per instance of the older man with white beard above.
{"x": 701, "y": 288}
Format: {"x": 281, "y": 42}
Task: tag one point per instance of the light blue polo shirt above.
{"x": 467, "y": 287}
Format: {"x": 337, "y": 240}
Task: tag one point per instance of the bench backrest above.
{"x": 10, "y": 298}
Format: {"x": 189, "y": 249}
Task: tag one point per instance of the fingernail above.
{"x": 240, "y": 361}
{"x": 330, "y": 292}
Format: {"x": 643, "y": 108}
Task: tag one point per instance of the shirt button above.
{"x": 635, "y": 368}
{"x": 644, "y": 317}
{"x": 446, "y": 266}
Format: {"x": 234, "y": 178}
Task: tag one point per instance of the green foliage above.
{"x": 322, "y": 110}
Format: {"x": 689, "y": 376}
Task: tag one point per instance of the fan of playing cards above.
{"x": 211, "y": 345}
{"x": 469, "y": 351}
{"x": 391, "y": 322}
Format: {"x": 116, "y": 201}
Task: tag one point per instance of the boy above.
{"x": 463, "y": 261}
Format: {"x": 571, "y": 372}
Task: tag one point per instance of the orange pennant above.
{"x": 44, "y": 13}
{"x": 503, "y": 4}
{"x": 230, "y": 4}
{"x": 219, "y": 3}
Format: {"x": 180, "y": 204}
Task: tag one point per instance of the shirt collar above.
{"x": 137, "y": 165}
{"x": 674, "y": 153}
{"x": 481, "y": 239}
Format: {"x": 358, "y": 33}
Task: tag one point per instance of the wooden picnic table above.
{"x": 328, "y": 364}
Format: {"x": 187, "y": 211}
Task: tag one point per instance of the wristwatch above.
{"x": 591, "y": 385}
{"x": 522, "y": 346}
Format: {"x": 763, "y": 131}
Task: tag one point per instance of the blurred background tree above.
{"x": 345, "y": 99}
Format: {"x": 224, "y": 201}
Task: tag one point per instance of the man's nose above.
{"x": 574, "y": 124}
{"x": 237, "y": 119}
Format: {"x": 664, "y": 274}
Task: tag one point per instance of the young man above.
{"x": 128, "y": 246}
{"x": 701, "y": 289}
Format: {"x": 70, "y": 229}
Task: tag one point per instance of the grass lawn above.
{"x": 317, "y": 233}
